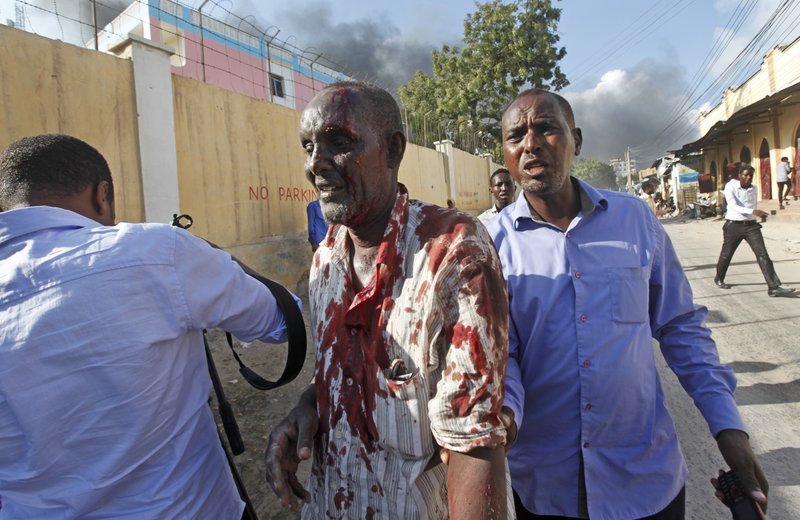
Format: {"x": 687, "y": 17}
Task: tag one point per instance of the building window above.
{"x": 276, "y": 85}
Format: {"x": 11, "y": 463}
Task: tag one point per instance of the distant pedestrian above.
{"x": 317, "y": 227}
{"x": 741, "y": 224}
{"x": 502, "y": 188}
{"x": 647, "y": 195}
{"x": 784, "y": 181}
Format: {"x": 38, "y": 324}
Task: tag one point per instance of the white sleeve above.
{"x": 218, "y": 293}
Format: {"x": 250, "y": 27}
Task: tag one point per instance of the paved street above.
{"x": 759, "y": 337}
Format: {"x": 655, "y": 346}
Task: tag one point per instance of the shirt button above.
{"x": 588, "y": 407}
{"x": 349, "y": 381}
{"x": 583, "y": 317}
{"x": 578, "y": 274}
{"x": 585, "y": 444}
{"x": 568, "y": 235}
{"x": 587, "y": 363}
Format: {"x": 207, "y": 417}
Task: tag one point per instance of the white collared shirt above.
{"x": 741, "y": 201}
{"x": 103, "y": 377}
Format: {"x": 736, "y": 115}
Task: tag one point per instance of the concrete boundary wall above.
{"x": 47, "y": 86}
{"x": 232, "y": 162}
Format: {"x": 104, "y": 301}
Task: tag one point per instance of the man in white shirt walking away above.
{"x": 741, "y": 224}
{"x": 783, "y": 181}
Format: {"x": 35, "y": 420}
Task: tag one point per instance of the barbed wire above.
{"x": 234, "y": 54}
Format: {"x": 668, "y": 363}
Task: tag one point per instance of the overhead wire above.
{"x": 743, "y": 64}
{"x": 720, "y": 45}
{"x": 638, "y": 34}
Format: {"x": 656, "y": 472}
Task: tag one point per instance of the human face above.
{"x": 746, "y": 178}
{"x": 503, "y": 189}
{"x": 346, "y": 158}
{"x": 539, "y": 144}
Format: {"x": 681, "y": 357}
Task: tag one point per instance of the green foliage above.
{"x": 597, "y": 173}
{"x": 507, "y": 47}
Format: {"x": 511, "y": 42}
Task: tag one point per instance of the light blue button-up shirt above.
{"x": 582, "y": 380}
{"x": 103, "y": 378}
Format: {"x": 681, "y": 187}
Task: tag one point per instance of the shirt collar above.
{"x": 590, "y": 199}
{"x": 18, "y": 222}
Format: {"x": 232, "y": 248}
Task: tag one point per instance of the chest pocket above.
{"x": 402, "y": 419}
{"x": 629, "y": 294}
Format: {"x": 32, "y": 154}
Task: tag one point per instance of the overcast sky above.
{"x": 639, "y": 69}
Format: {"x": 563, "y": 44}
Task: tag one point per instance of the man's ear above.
{"x": 578, "y": 136}
{"x": 396, "y": 149}
{"x": 103, "y": 201}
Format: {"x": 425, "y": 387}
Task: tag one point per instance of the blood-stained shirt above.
{"x": 415, "y": 359}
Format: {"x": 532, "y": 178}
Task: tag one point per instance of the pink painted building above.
{"x": 234, "y": 58}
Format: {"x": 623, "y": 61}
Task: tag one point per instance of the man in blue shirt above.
{"x": 592, "y": 277}
{"x": 317, "y": 227}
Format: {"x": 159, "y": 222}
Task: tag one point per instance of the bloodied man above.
{"x": 409, "y": 319}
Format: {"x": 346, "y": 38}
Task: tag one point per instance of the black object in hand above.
{"x": 736, "y": 498}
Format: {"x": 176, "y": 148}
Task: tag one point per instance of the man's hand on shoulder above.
{"x": 734, "y": 445}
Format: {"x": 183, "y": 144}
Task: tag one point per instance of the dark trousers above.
{"x": 781, "y": 195}
{"x": 733, "y": 232}
{"x": 676, "y": 510}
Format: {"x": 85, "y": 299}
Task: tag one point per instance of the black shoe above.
{"x": 780, "y": 291}
{"x": 781, "y": 207}
{"x": 723, "y": 285}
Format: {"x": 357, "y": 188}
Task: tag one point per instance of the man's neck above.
{"x": 365, "y": 241}
{"x": 557, "y": 208}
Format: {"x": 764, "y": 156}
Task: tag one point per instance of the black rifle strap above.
{"x": 296, "y": 331}
{"x": 295, "y": 328}
{"x": 225, "y": 408}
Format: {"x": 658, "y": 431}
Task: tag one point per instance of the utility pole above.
{"x": 628, "y": 169}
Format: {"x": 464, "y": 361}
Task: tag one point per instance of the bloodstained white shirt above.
{"x": 438, "y": 303}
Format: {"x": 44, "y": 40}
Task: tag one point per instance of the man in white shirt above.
{"x": 783, "y": 181}
{"x": 103, "y": 377}
{"x": 741, "y": 224}
{"x": 502, "y": 188}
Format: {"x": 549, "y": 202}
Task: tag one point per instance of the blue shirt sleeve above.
{"x": 686, "y": 344}
{"x": 515, "y": 392}
{"x": 317, "y": 227}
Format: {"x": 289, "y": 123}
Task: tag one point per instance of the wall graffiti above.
{"x": 285, "y": 193}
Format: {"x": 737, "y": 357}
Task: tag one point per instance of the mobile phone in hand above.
{"x": 742, "y": 505}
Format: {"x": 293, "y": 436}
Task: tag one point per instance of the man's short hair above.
{"x": 563, "y": 103}
{"x": 382, "y": 106}
{"x": 496, "y": 173}
{"x": 746, "y": 167}
{"x": 49, "y": 165}
{"x": 786, "y": 159}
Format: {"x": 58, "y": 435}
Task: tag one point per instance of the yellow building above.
{"x": 757, "y": 122}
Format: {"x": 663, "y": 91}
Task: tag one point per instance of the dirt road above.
{"x": 757, "y": 336}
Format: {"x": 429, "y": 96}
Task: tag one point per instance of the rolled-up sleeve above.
{"x": 472, "y": 295}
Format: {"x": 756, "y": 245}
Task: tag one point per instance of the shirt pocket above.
{"x": 402, "y": 417}
{"x": 629, "y": 294}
